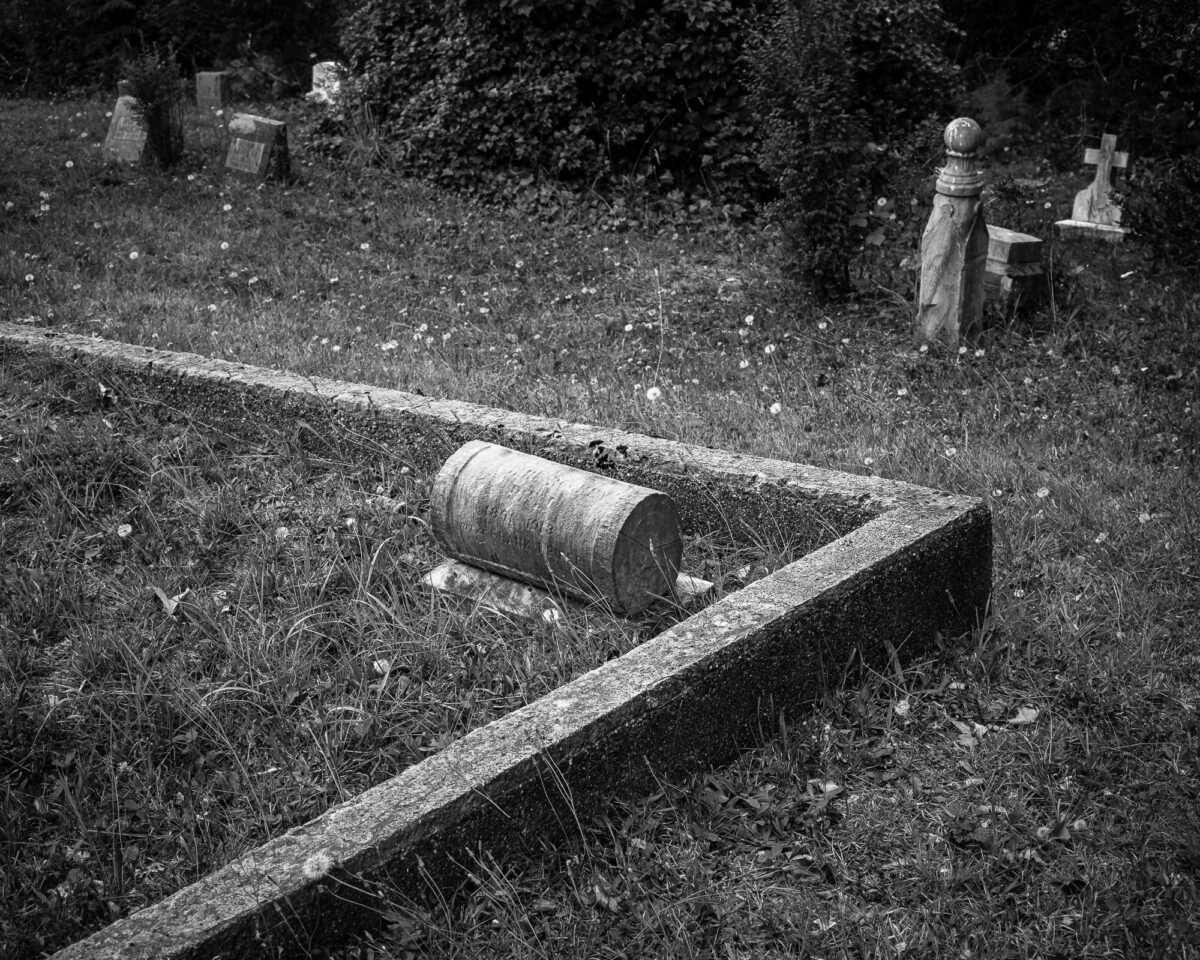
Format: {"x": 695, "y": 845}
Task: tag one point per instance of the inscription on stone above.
{"x": 128, "y": 128}
{"x": 245, "y": 155}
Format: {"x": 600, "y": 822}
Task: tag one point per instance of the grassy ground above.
{"x": 1031, "y": 792}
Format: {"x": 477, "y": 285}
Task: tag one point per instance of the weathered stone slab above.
{"x": 258, "y": 149}
{"x": 326, "y": 82}
{"x": 1010, "y": 246}
{"x": 1015, "y": 274}
{"x": 126, "y": 139}
{"x": 212, "y": 91}
{"x": 908, "y": 565}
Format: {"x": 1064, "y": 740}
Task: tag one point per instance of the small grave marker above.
{"x": 257, "y": 149}
{"x": 1015, "y": 273}
{"x": 1095, "y": 214}
{"x": 126, "y": 140}
{"x": 325, "y": 82}
{"x": 954, "y": 246}
{"x": 524, "y": 529}
{"x": 212, "y": 91}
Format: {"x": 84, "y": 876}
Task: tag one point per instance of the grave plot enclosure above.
{"x": 900, "y": 566}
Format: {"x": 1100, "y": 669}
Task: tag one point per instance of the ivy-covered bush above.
{"x": 1161, "y": 205}
{"x": 851, "y": 96}
{"x": 50, "y": 46}
{"x": 578, "y": 90}
{"x": 153, "y": 82}
{"x": 1128, "y": 67}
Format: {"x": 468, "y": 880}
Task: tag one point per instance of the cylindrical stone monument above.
{"x": 556, "y": 526}
{"x": 955, "y": 244}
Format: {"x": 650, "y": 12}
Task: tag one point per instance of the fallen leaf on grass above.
{"x": 170, "y": 604}
{"x": 1024, "y": 715}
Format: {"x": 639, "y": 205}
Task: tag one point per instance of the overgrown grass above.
{"x": 1031, "y": 792}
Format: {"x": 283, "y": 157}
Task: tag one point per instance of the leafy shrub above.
{"x": 153, "y": 82}
{"x": 1161, "y": 205}
{"x": 843, "y": 90}
{"x": 1130, "y": 67}
{"x": 578, "y": 90}
{"x": 48, "y": 46}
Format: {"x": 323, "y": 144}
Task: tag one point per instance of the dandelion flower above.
{"x": 822, "y": 325}
{"x": 629, "y": 328}
{"x": 653, "y": 394}
{"x": 133, "y": 254}
{"x": 776, "y": 408}
{"x": 769, "y": 348}
{"x": 743, "y": 364}
{"x": 45, "y": 208}
{"x": 981, "y": 352}
{"x": 1043, "y": 493}
{"x": 227, "y": 207}
{"x": 389, "y": 346}
{"x": 868, "y": 461}
{"x": 191, "y": 177}
{"x": 902, "y": 392}
{"x": 224, "y": 244}
{"x": 951, "y": 451}
{"x": 124, "y": 530}
{"x": 29, "y": 278}
{"x": 749, "y": 321}
{"x": 961, "y": 351}
{"x": 212, "y": 308}
{"x": 364, "y": 247}
{"x": 70, "y": 164}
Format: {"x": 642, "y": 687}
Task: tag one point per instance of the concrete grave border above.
{"x": 909, "y": 565}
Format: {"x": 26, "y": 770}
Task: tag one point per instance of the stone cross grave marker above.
{"x": 954, "y": 246}
{"x": 258, "y": 149}
{"x": 524, "y": 531}
{"x": 1095, "y": 214}
{"x": 212, "y": 91}
{"x": 126, "y": 140}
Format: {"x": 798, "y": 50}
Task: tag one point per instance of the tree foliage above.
{"x": 579, "y": 90}
{"x": 48, "y": 46}
{"x": 842, "y": 90}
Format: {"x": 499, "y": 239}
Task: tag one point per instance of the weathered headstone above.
{"x": 212, "y": 91}
{"x": 1095, "y": 214}
{"x": 553, "y": 527}
{"x": 1015, "y": 273}
{"x": 126, "y": 140}
{"x": 258, "y": 149}
{"x": 954, "y": 246}
{"x": 326, "y": 82}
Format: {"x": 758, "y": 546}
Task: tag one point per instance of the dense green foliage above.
{"x": 48, "y": 46}
{"x": 153, "y": 82}
{"x": 568, "y": 89}
{"x": 1131, "y": 67}
{"x": 843, "y": 91}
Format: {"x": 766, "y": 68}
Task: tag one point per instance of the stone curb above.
{"x": 907, "y": 565}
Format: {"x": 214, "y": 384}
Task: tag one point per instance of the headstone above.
{"x": 126, "y": 140}
{"x": 557, "y": 528}
{"x": 1095, "y": 214}
{"x": 212, "y": 91}
{"x": 325, "y": 82}
{"x": 1015, "y": 273}
{"x": 258, "y": 149}
{"x": 954, "y": 247}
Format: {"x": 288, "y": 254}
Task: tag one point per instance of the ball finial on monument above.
{"x": 963, "y": 136}
{"x": 960, "y": 177}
